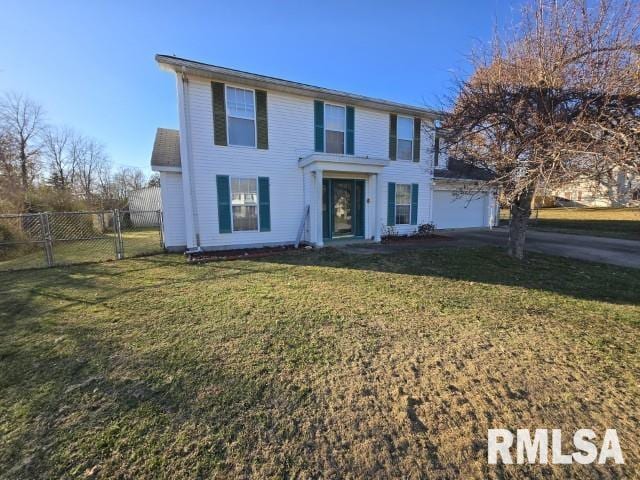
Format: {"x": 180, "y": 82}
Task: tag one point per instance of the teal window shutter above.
{"x": 261, "y": 120}
{"x": 436, "y": 150}
{"x": 416, "y": 139}
{"x": 264, "y": 203}
{"x": 219, "y": 114}
{"x": 318, "y": 121}
{"x": 391, "y": 204}
{"x": 393, "y": 135}
{"x": 350, "y": 130}
{"x": 414, "y": 204}
{"x": 224, "y": 203}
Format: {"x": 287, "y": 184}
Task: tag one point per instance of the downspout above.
{"x": 432, "y": 170}
{"x": 190, "y": 171}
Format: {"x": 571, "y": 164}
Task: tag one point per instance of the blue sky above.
{"x": 91, "y": 63}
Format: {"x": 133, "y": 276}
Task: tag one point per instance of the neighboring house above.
{"x": 143, "y": 204}
{"x": 618, "y": 189}
{"x": 262, "y": 161}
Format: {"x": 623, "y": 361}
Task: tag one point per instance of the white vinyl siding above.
{"x": 241, "y": 117}
{"x": 335, "y": 122}
{"x": 403, "y": 204}
{"x": 404, "y": 149}
{"x": 291, "y": 136}
{"x": 173, "y": 221}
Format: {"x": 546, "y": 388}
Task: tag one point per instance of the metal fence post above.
{"x": 46, "y": 238}
{"x": 118, "y": 234}
{"x": 160, "y": 226}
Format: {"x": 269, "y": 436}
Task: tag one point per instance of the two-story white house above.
{"x": 261, "y": 161}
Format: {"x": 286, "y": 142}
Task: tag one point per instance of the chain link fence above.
{"x": 35, "y": 240}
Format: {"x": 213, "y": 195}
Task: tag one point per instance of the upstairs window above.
{"x": 405, "y": 139}
{"x": 403, "y": 203}
{"x": 334, "y": 128}
{"x": 244, "y": 204}
{"x": 241, "y": 117}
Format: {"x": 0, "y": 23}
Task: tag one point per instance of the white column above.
{"x": 369, "y": 205}
{"x": 316, "y": 210}
{"x": 377, "y": 224}
{"x": 188, "y": 184}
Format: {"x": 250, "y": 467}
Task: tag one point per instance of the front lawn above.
{"x": 605, "y": 222}
{"x": 313, "y": 364}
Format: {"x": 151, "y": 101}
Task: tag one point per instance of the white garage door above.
{"x": 450, "y": 211}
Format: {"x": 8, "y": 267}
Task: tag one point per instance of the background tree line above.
{"x": 44, "y": 167}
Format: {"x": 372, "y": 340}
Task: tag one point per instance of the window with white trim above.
{"x": 335, "y": 122}
{"x": 244, "y": 204}
{"x": 405, "y": 139}
{"x": 241, "y": 117}
{"x": 403, "y": 204}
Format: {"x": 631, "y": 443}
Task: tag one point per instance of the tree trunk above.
{"x": 24, "y": 169}
{"x": 520, "y": 213}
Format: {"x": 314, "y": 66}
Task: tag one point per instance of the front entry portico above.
{"x": 343, "y": 195}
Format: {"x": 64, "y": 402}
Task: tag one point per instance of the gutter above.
{"x": 214, "y": 72}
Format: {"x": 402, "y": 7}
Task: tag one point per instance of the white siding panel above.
{"x": 407, "y": 171}
{"x": 291, "y": 136}
{"x": 290, "y": 121}
{"x": 172, "y": 209}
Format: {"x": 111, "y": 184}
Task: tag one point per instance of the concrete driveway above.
{"x": 614, "y": 251}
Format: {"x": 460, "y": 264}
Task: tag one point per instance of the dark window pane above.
{"x": 242, "y": 132}
{"x": 334, "y": 141}
{"x": 404, "y": 150}
{"x": 402, "y": 214}
{"x": 245, "y": 218}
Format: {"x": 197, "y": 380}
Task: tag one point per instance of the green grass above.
{"x": 605, "y": 222}
{"x": 313, "y": 364}
{"x": 137, "y": 242}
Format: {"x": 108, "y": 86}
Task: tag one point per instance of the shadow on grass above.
{"x": 490, "y": 265}
{"x": 85, "y": 395}
{"x": 83, "y": 399}
{"x": 623, "y": 228}
{"x": 84, "y": 284}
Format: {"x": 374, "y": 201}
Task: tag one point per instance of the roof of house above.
{"x": 182, "y": 65}
{"x": 166, "y": 148}
{"x": 461, "y": 170}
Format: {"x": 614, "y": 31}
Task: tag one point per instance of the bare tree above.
{"x": 90, "y": 164}
{"x": 553, "y": 100}
{"x": 11, "y": 193}
{"x": 127, "y": 179}
{"x": 56, "y": 146}
{"x": 154, "y": 180}
{"x": 22, "y": 119}
{"x": 8, "y": 163}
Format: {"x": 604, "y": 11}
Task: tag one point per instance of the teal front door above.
{"x": 342, "y": 208}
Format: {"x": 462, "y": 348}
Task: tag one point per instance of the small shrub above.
{"x": 425, "y": 230}
{"x": 389, "y": 231}
{"x": 15, "y": 234}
